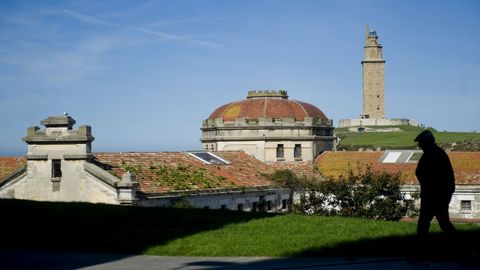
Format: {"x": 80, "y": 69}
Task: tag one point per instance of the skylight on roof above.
{"x": 209, "y": 158}
{"x": 414, "y": 157}
{"x": 392, "y": 157}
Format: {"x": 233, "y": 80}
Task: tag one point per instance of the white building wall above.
{"x": 228, "y": 200}
{"x": 75, "y": 185}
{"x": 254, "y": 148}
{"x": 308, "y": 151}
{"x": 71, "y": 182}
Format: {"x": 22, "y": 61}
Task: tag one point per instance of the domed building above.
{"x": 270, "y": 127}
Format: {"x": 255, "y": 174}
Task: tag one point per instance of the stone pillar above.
{"x": 127, "y": 189}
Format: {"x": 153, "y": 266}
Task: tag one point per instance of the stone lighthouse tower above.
{"x": 373, "y": 90}
{"x": 373, "y": 78}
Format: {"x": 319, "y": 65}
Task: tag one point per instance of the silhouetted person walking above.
{"x": 437, "y": 184}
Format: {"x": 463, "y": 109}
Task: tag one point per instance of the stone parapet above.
{"x": 267, "y": 93}
{"x": 36, "y": 157}
{"x": 358, "y": 122}
{"x": 58, "y": 129}
{"x": 270, "y": 138}
{"x": 47, "y": 139}
{"x": 101, "y": 174}
{"x": 267, "y": 122}
{"x": 59, "y": 121}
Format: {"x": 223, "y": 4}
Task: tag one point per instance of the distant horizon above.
{"x": 145, "y": 74}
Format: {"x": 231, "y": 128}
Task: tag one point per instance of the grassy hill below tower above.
{"x": 401, "y": 137}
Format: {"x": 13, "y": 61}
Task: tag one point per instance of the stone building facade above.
{"x": 270, "y": 127}
{"x": 60, "y": 166}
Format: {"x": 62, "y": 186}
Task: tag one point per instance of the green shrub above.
{"x": 367, "y": 194}
{"x": 364, "y": 193}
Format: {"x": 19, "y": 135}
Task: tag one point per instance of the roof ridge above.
{"x": 265, "y": 107}
{"x": 304, "y": 110}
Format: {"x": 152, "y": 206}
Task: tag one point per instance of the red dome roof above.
{"x": 271, "y": 105}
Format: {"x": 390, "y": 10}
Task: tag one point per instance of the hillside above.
{"x": 402, "y": 138}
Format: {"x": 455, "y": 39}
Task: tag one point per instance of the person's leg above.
{"x": 423, "y": 226}
{"x": 449, "y": 239}
{"x": 424, "y": 219}
{"x": 443, "y": 217}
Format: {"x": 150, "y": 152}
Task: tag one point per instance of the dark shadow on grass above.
{"x": 85, "y": 227}
{"x": 465, "y": 246}
{"x": 46, "y": 231}
{"x": 463, "y": 252}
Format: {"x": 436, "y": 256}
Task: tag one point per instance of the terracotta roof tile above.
{"x": 9, "y": 165}
{"x": 302, "y": 168}
{"x": 466, "y": 165}
{"x": 266, "y": 107}
{"x": 173, "y": 171}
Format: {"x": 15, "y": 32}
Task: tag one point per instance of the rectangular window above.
{"x": 240, "y": 207}
{"x": 284, "y": 204}
{"x": 280, "y": 151}
{"x": 223, "y": 207}
{"x": 255, "y": 207}
{"x": 466, "y": 206}
{"x": 297, "y": 151}
{"x": 269, "y": 205}
{"x": 56, "y": 168}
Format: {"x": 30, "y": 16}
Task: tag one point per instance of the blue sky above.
{"x": 144, "y": 74}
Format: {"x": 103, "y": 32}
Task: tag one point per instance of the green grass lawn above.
{"x": 282, "y": 235}
{"x": 397, "y": 140}
{"x": 199, "y": 232}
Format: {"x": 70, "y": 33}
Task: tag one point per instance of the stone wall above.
{"x": 273, "y": 200}
{"x": 465, "y": 203}
{"x": 356, "y": 122}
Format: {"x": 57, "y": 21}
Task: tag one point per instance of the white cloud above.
{"x": 59, "y": 64}
{"x": 51, "y": 47}
{"x": 164, "y": 36}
